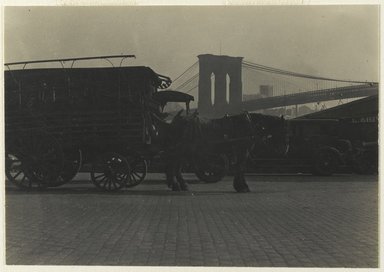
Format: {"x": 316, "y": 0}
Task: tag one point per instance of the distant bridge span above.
{"x": 311, "y": 96}
{"x": 221, "y": 82}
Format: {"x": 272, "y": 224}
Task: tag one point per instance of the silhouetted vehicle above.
{"x": 364, "y": 158}
{"x": 358, "y": 123}
{"x": 308, "y": 144}
{"x": 60, "y": 119}
{"x": 317, "y": 143}
{"x": 363, "y": 134}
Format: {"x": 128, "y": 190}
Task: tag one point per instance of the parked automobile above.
{"x": 311, "y": 145}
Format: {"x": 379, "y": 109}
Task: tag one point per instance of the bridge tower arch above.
{"x": 224, "y": 68}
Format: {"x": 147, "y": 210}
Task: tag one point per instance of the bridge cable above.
{"x": 189, "y": 68}
{"x": 188, "y": 81}
{"x": 192, "y": 89}
{"x": 288, "y": 73}
{"x": 285, "y": 72}
{"x": 277, "y": 79}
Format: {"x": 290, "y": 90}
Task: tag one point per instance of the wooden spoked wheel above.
{"x": 139, "y": 168}
{"x": 111, "y": 172}
{"x": 211, "y": 167}
{"x": 71, "y": 166}
{"x": 15, "y": 172}
{"x": 34, "y": 161}
{"x": 325, "y": 163}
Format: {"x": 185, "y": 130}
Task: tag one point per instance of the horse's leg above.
{"x": 179, "y": 177}
{"x": 239, "y": 182}
{"x": 168, "y": 174}
{"x": 171, "y": 174}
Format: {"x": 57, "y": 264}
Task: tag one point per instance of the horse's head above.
{"x": 270, "y": 128}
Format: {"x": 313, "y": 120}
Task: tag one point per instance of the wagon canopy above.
{"x": 172, "y": 96}
{"x": 49, "y": 85}
{"x": 86, "y": 106}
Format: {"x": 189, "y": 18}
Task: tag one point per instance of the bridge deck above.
{"x": 311, "y": 96}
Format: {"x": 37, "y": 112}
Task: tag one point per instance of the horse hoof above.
{"x": 175, "y": 187}
{"x": 243, "y": 190}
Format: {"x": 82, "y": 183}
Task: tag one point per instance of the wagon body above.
{"x": 57, "y": 112}
{"x": 91, "y": 108}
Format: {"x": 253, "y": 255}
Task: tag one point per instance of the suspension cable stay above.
{"x": 256, "y": 66}
{"x": 192, "y": 89}
{"x": 187, "y": 70}
{"x": 188, "y": 81}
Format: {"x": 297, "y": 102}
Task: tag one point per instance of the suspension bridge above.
{"x": 225, "y": 84}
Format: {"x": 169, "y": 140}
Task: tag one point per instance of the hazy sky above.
{"x": 331, "y": 41}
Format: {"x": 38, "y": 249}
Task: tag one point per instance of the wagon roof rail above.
{"x": 72, "y": 59}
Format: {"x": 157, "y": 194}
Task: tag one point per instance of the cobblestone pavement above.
{"x": 286, "y": 221}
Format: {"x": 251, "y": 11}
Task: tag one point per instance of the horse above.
{"x": 174, "y": 141}
{"x": 187, "y": 136}
{"x": 234, "y": 135}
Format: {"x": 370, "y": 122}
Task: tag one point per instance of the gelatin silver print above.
{"x": 191, "y": 136}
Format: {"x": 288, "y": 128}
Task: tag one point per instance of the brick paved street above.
{"x": 286, "y": 221}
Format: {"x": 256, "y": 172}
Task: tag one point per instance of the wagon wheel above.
{"x": 40, "y": 158}
{"x": 365, "y": 163}
{"x": 14, "y": 171}
{"x": 72, "y": 163}
{"x": 139, "y": 168}
{"x": 211, "y": 167}
{"x": 325, "y": 163}
{"x": 111, "y": 172}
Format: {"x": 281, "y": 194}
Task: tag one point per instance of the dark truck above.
{"x": 310, "y": 145}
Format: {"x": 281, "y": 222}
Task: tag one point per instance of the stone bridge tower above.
{"x": 225, "y": 95}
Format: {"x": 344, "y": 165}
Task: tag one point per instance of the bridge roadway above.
{"x": 286, "y": 221}
{"x": 311, "y": 96}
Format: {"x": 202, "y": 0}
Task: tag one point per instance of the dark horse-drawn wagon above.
{"x": 110, "y": 122}
{"x": 59, "y": 119}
